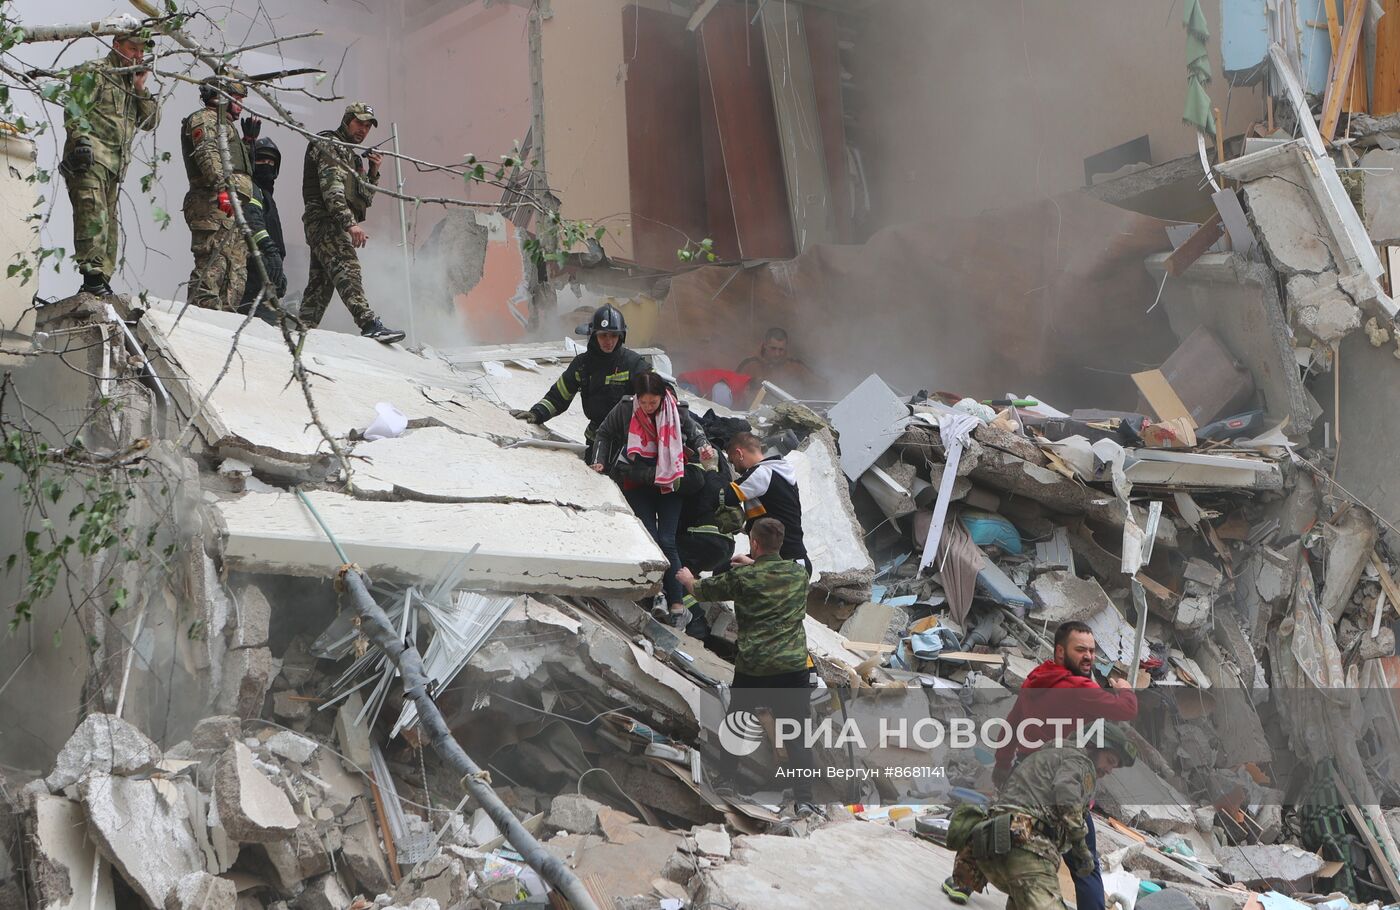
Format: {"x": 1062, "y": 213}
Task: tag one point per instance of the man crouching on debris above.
{"x": 1042, "y": 813}
{"x": 1075, "y": 696}
{"x": 770, "y": 604}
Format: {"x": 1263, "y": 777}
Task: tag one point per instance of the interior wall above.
{"x": 972, "y": 106}
{"x": 585, "y": 114}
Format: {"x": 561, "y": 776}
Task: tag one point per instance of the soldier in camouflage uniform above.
{"x": 772, "y": 669}
{"x": 1039, "y": 817}
{"x": 336, "y": 191}
{"x": 220, "y": 255}
{"x": 97, "y": 151}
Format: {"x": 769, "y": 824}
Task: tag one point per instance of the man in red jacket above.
{"x": 1072, "y": 669}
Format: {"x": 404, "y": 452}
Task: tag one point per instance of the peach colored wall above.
{"x": 585, "y": 114}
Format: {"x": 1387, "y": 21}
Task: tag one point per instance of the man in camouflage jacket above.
{"x": 97, "y": 151}
{"x": 772, "y": 669}
{"x": 336, "y": 191}
{"x": 220, "y": 254}
{"x": 1039, "y": 817}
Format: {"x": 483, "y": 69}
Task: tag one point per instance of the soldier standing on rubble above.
{"x": 336, "y": 192}
{"x": 220, "y": 255}
{"x": 772, "y": 669}
{"x": 1064, "y": 687}
{"x": 601, "y": 375}
{"x": 97, "y": 151}
{"x": 767, "y": 486}
{"x": 1041, "y": 815}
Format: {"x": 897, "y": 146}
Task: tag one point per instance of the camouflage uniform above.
{"x": 335, "y": 193}
{"x": 220, "y": 255}
{"x": 118, "y": 110}
{"x": 770, "y": 603}
{"x": 772, "y": 670}
{"x": 1044, "y": 804}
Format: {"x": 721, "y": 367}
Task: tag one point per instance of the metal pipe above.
{"x": 139, "y": 352}
{"x": 403, "y": 237}
{"x": 415, "y": 683}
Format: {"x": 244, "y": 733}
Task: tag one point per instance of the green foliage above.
{"x": 704, "y": 251}
{"x": 94, "y": 527}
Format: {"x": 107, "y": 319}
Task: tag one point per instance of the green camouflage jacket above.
{"x": 116, "y": 113}
{"x": 199, "y": 144}
{"x": 334, "y": 185}
{"x": 770, "y": 603}
{"x": 1053, "y": 786}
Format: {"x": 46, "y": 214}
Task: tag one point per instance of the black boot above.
{"x": 95, "y": 283}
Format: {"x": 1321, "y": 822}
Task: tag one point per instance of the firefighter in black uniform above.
{"x": 602, "y": 375}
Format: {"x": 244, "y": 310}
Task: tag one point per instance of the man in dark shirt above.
{"x": 767, "y": 486}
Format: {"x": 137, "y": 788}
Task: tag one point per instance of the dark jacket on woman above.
{"x": 610, "y": 441}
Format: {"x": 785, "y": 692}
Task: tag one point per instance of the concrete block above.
{"x": 442, "y": 878}
{"x": 1061, "y": 596}
{"x": 1288, "y": 225}
{"x": 292, "y": 746}
{"x": 290, "y": 709}
{"x": 353, "y": 738}
{"x": 253, "y": 615}
{"x": 1350, "y": 542}
{"x": 1318, "y": 307}
{"x": 143, "y": 828}
{"x": 252, "y": 808}
{"x": 248, "y": 672}
{"x": 359, "y": 847}
{"x": 61, "y": 858}
{"x": 202, "y": 891}
{"x": 299, "y": 857}
{"x": 102, "y": 744}
{"x": 712, "y": 842}
{"x": 215, "y": 734}
{"x": 874, "y": 623}
{"x": 1269, "y": 867}
{"x": 325, "y": 893}
{"x": 573, "y": 813}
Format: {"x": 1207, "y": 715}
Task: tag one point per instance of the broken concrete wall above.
{"x": 1238, "y": 300}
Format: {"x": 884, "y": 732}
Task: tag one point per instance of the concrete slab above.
{"x": 441, "y": 465}
{"x": 894, "y": 871}
{"x": 62, "y": 857}
{"x": 834, "y": 537}
{"x": 144, "y": 830}
{"x": 524, "y": 547}
{"x": 251, "y": 807}
{"x": 256, "y": 412}
{"x": 1380, "y": 195}
{"x": 870, "y": 420}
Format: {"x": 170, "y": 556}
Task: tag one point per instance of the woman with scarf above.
{"x": 642, "y": 445}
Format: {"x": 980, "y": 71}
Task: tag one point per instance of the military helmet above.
{"x": 266, "y": 147}
{"x": 607, "y": 318}
{"x": 212, "y": 88}
{"x": 1115, "y": 737}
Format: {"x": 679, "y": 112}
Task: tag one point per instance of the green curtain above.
{"x": 1198, "y": 107}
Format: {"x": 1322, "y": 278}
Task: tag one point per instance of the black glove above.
{"x": 1082, "y": 864}
{"x": 527, "y": 416}
{"x": 79, "y": 160}
{"x": 252, "y": 127}
{"x": 273, "y": 263}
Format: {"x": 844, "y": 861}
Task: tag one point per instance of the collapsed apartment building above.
{"x": 233, "y": 737}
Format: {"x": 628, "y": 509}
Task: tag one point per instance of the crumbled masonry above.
{"x": 282, "y": 713}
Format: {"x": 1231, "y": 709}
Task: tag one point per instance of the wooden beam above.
{"x": 1343, "y": 65}
{"x": 1195, "y": 246}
